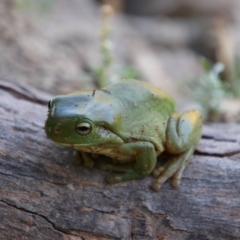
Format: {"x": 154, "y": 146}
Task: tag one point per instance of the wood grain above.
{"x": 43, "y": 196}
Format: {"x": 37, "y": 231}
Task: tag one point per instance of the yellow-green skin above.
{"x": 131, "y": 122}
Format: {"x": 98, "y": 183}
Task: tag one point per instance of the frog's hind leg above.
{"x": 182, "y": 135}
{"x": 178, "y": 174}
{"x": 173, "y": 168}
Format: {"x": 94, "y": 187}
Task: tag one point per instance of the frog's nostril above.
{"x": 57, "y": 131}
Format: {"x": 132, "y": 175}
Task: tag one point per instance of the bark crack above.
{"x": 225, "y": 154}
{"x": 20, "y": 91}
{"x": 35, "y": 213}
{"x": 219, "y": 139}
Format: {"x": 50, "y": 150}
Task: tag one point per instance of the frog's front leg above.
{"x": 182, "y": 136}
{"x": 86, "y": 158}
{"x": 144, "y": 159}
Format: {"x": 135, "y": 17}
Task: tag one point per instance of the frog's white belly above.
{"x": 109, "y": 152}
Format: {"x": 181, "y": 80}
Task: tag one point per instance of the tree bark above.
{"x": 44, "y": 196}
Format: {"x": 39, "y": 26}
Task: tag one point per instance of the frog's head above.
{"x": 79, "y": 119}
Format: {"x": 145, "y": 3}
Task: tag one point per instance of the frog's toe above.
{"x": 89, "y": 164}
{"x": 177, "y": 177}
{"x": 86, "y": 158}
{"x": 178, "y": 174}
{"x": 163, "y": 173}
{"x": 104, "y": 166}
{"x": 169, "y": 170}
{"x": 77, "y": 159}
{"x": 159, "y": 182}
{"x": 116, "y": 178}
{"x": 173, "y": 168}
{"x": 157, "y": 171}
{"x": 113, "y": 178}
{"x": 122, "y": 168}
{"x": 156, "y": 186}
{"x": 176, "y": 182}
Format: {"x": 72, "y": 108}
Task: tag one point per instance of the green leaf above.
{"x": 206, "y": 65}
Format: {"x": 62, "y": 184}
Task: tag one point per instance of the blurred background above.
{"x": 189, "y": 48}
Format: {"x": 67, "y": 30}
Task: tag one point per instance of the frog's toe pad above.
{"x": 104, "y": 166}
{"x": 156, "y": 186}
{"x": 89, "y": 164}
{"x": 113, "y": 178}
{"x": 175, "y": 183}
{"x": 157, "y": 171}
{"x": 176, "y": 180}
{"x": 162, "y": 178}
{"x": 77, "y": 159}
{"x": 76, "y": 162}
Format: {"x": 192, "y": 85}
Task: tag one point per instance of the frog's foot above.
{"x": 173, "y": 168}
{"x": 126, "y": 169}
{"x": 77, "y": 159}
{"x": 86, "y": 158}
{"x": 107, "y": 166}
{"x": 116, "y": 178}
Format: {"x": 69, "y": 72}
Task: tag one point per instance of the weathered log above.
{"x": 43, "y": 196}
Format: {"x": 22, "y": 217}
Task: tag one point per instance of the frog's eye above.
{"x": 83, "y": 128}
{"x": 49, "y": 104}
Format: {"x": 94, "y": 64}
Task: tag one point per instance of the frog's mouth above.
{"x": 74, "y": 145}
{"x": 96, "y": 144}
{"x": 90, "y": 148}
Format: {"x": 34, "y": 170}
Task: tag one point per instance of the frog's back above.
{"x": 145, "y": 110}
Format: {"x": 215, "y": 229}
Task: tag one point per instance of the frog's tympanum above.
{"x": 131, "y": 122}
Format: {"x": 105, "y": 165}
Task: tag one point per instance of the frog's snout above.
{"x": 52, "y": 129}
{"x": 55, "y": 130}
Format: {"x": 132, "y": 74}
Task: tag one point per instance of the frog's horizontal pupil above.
{"x": 83, "y": 128}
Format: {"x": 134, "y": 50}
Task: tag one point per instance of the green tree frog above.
{"x": 130, "y": 121}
